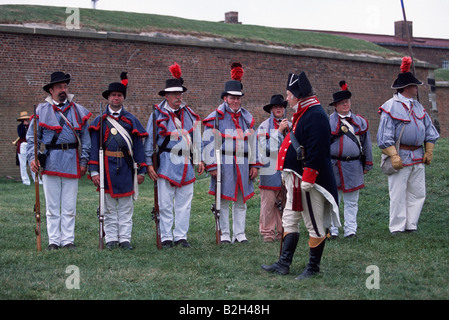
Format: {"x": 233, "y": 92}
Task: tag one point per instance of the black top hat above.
{"x": 341, "y": 95}
{"x": 173, "y": 85}
{"x": 405, "y": 78}
{"x": 176, "y": 84}
{"x": 276, "y": 100}
{"x": 234, "y": 87}
{"x": 115, "y": 86}
{"x": 57, "y": 77}
{"x": 299, "y": 85}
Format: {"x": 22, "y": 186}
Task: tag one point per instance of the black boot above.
{"x": 286, "y": 256}
{"x": 313, "y": 266}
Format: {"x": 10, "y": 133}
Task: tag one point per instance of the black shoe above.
{"x": 276, "y": 268}
{"x": 183, "y": 243}
{"x": 285, "y": 259}
{"x": 111, "y": 245}
{"x": 52, "y": 246}
{"x": 313, "y": 267}
{"x": 308, "y": 272}
{"x": 69, "y": 246}
{"x": 126, "y": 245}
{"x": 167, "y": 244}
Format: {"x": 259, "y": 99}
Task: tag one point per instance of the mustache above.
{"x": 62, "y": 96}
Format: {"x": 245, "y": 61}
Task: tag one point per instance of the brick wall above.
{"x": 435, "y": 56}
{"x": 443, "y": 107}
{"x": 94, "y": 60}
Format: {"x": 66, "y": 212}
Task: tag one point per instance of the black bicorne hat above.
{"x": 405, "y": 78}
{"x": 57, "y": 77}
{"x": 276, "y": 100}
{"x": 299, "y": 85}
{"x": 343, "y": 94}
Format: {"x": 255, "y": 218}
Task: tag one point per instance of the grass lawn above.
{"x": 442, "y": 75}
{"x": 410, "y": 266}
{"x": 116, "y": 21}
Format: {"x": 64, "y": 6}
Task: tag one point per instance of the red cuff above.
{"x": 309, "y": 175}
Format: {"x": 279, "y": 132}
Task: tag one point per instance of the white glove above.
{"x": 306, "y": 186}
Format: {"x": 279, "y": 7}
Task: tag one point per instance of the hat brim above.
{"x": 267, "y": 108}
{"x": 23, "y": 118}
{"x": 396, "y": 85}
{"x": 340, "y": 96}
{"x": 162, "y": 93}
{"x": 405, "y": 79}
{"x": 231, "y": 93}
{"x": 106, "y": 93}
{"x": 48, "y": 86}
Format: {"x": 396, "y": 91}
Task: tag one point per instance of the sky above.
{"x": 430, "y": 17}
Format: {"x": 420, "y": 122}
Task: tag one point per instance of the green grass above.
{"x": 442, "y": 74}
{"x": 102, "y": 20}
{"x": 411, "y": 266}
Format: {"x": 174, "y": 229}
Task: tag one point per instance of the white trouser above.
{"x": 118, "y": 223}
{"x": 313, "y": 217}
{"x": 60, "y": 202}
{"x": 351, "y": 207}
{"x": 407, "y": 190}
{"x": 238, "y": 219}
{"x": 23, "y": 165}
{"x": 178, "y": 200}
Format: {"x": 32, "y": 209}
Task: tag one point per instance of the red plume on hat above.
{"x": 343, "y": 85}
{"x": 236, "y": 71}
{"x": 175, "y": 70}
{"x": 124, "y": 78}
{"x": 405, "y": 65}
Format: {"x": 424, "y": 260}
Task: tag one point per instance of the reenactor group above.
{"x": 306, "y": 165}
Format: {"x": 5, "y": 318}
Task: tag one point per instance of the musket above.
{"x": 155, "y": 211}
{"x": 216, "y": 207}
{"x": 280, "y": 204}
{"x": 100, "y": 210}
{"x": 37, "y": 205}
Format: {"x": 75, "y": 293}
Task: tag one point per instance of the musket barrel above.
{"x": 216, "y": 207}
{"x": 101, "y": 171}
{"x": 155, "y": 211}
{"x": 37, "y": 206}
